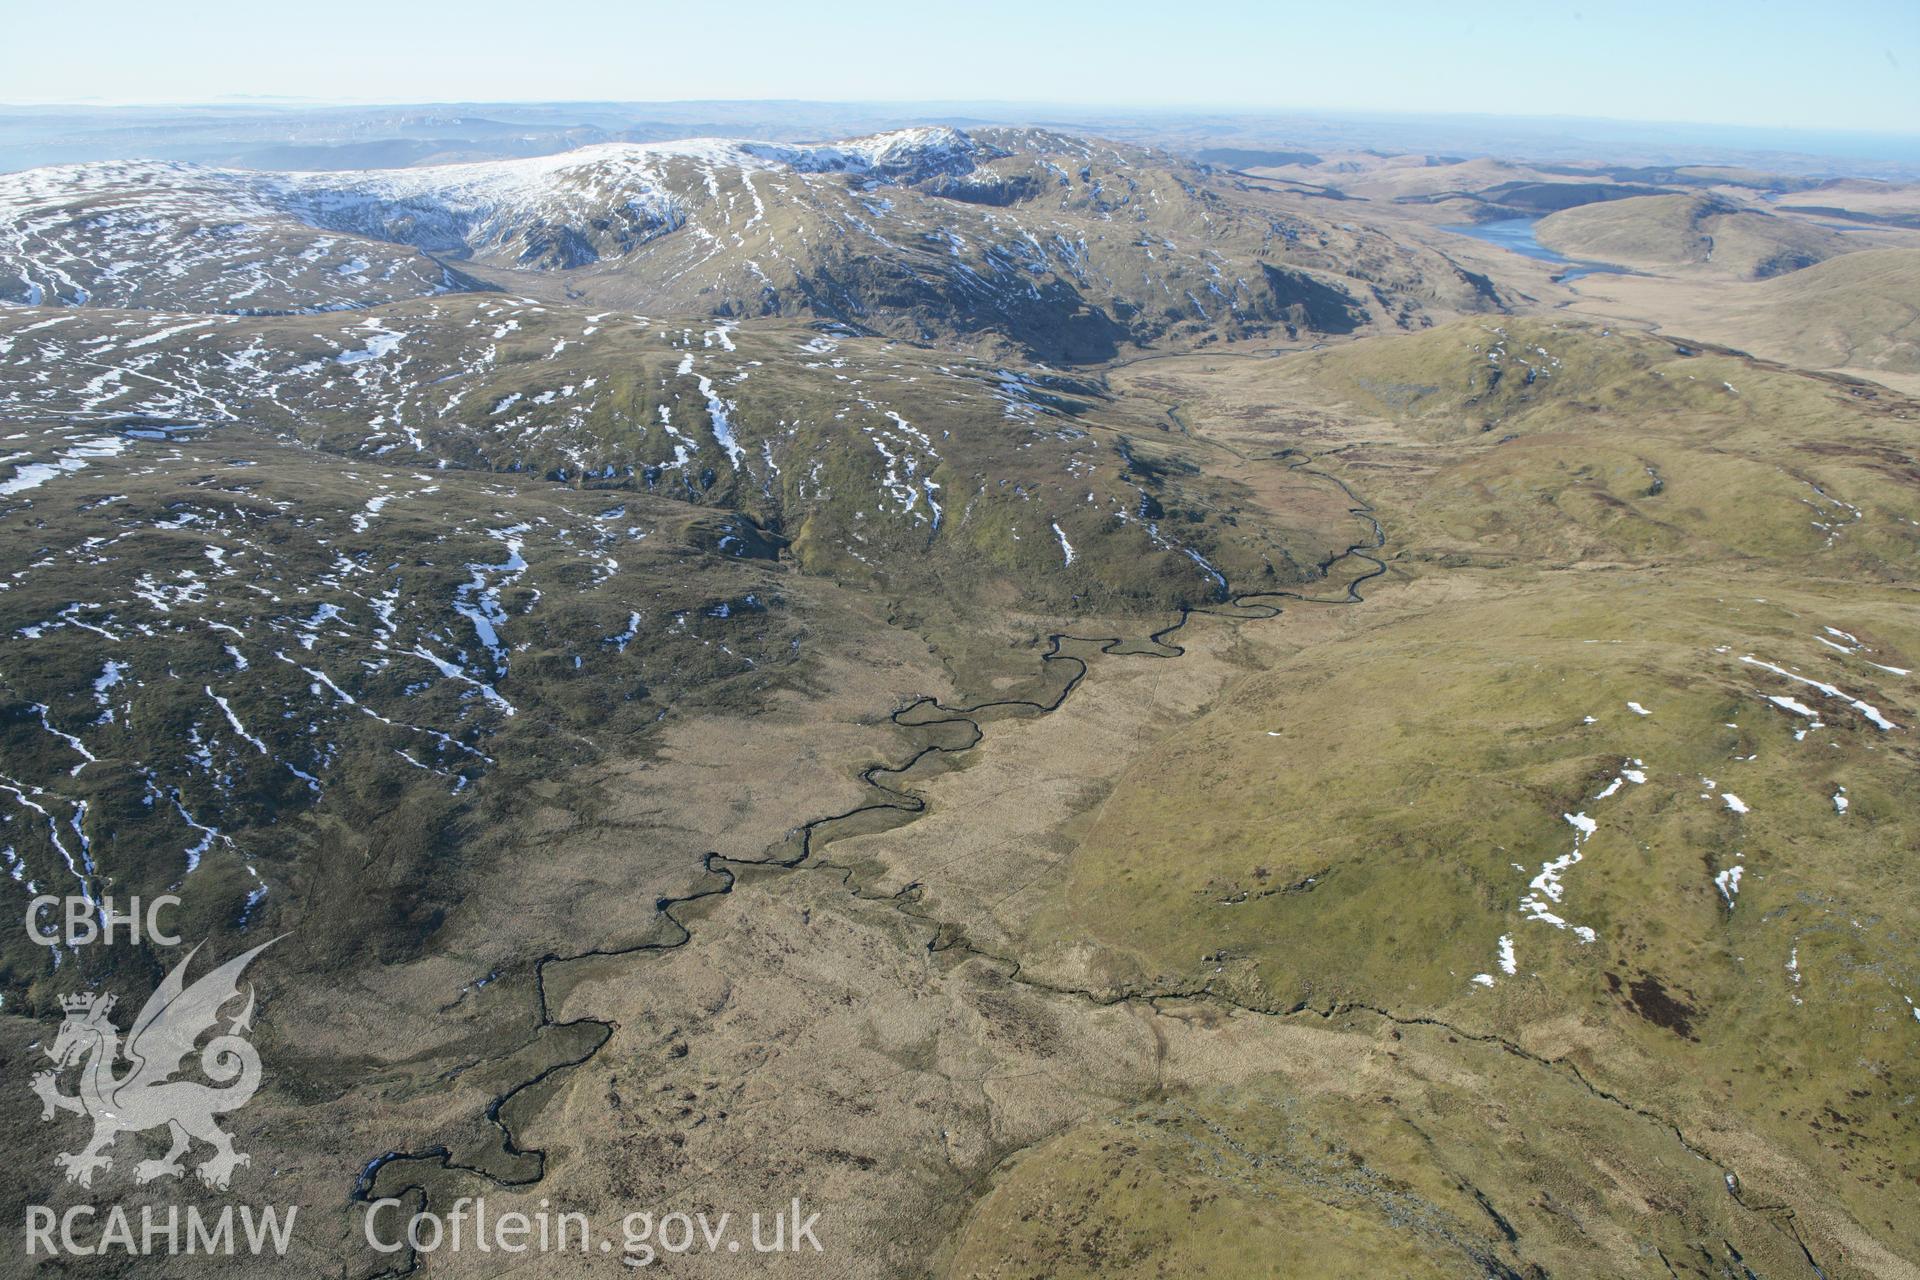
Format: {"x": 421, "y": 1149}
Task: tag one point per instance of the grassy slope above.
{"x": 1854, "y": 313}
{"x": 1361, "y": 822}
{"x": 1857, "y": 312}
{"x": 1687, "y": 231}
{"x": 882, "y": 464}
{"x": 1413, "y": 1165}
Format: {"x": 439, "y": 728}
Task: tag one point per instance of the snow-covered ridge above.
{"x": 900, "y": 151}
{"x": 649, "y": 186}
{"x": 564, "y": 210}
{"x": 640, "y": 172}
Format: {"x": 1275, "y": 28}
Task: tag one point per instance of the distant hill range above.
{"x": 1065, "y": 248}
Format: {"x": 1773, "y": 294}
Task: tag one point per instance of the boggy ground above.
{"x": 447, "y": 727}
{"x": 1271, "y": 956}
{"x": 1248, "y": 947}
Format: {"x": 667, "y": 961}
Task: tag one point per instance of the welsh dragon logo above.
{"x": 144, "y": 1095}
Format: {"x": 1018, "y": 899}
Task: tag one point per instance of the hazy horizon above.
{"x": 288, "y": 133}
{"x": 1169, "y": 110}
{"x": 1717, "y": 64}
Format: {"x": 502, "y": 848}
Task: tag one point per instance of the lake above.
{"x": 1516, "y": 235}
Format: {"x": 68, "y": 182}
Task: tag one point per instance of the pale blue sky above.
{"x": 1774, "y": 63}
